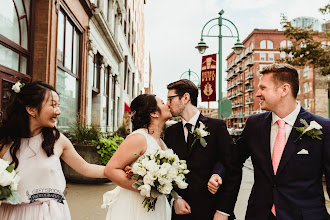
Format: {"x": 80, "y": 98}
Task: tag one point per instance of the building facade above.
{"x": 91, "y": 51}
{"x": 243, "y": 77}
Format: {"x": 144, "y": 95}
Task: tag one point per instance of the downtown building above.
{"x": 91, "y": 51}
{"x": 262, "y": 49}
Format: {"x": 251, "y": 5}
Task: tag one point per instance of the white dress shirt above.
{"x": 192, "y": 121}
{"x": 289, "y": 122}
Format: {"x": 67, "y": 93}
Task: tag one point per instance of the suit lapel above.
{"x": 290, "y": 145}
{"x": 265, "y": 142}
{"x": 202, "y": 119}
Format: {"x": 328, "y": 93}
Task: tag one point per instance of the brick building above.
{"x": 91, "y": 51}
{"x": 242, "y": 77}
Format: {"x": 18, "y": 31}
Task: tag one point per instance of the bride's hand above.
{"x": 129, "y": 172}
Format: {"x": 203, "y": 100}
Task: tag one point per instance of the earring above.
{"x": 33, "y": 116}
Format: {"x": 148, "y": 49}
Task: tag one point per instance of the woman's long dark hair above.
{"x": 16, "y": 125}
{"x": 142, "y": 106}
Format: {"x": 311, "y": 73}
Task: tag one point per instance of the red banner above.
{"x": 209, "y": 68}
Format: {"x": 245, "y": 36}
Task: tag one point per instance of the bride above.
{"x": 149, "y": 116}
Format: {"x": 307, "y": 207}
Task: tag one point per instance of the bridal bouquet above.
{"x": 8, "y": 183}
{"x": 157, "y": 173}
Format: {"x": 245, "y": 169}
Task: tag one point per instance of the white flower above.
{"x": 145, "y": 190}
{"x": 164, "y": 169}
{"x": 313, "y": 125}
{"x": 164, "y": 180}
{"x": 152, "y": 166}
{"x": 165, "y": 189}
{"x": 182, "y": 184}
{"x": 149, "y": 179}
{"x": 6, "y": 178}
{"x": 185, "y": 171}
{"x": 138, "y": 169}
{"x": 3, "y": 165}
{"x": 17, "y": 87}
{"x": 15, "y": 181}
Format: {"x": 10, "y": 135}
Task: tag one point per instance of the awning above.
{"x": 127, "y": 108}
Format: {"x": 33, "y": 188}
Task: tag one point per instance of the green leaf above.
{"x": 203, "y": 142}
{"x": 10, "y": 168}
{"x": 136, "y": 185}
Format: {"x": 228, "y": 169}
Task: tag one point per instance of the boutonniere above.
{"x": 313, "y": 130}
{"x": 200, "y": 133}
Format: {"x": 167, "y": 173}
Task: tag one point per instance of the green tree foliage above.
{"x": 307, "y": 47}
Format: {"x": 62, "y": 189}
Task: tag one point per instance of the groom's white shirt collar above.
{"x": 192, "y": 121}
{"x": 290, "y": 118}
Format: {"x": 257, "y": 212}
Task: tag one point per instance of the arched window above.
{"x": 14, "y": 26}
{"x": 263, "y": 44}
{"x": 269, "y": 44}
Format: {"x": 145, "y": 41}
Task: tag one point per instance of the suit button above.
{"x": 274, "y": 186}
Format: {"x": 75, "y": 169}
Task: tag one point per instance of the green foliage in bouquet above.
{"x": 106, "y": 148}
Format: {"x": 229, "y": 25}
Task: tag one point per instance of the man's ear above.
{"x": 186, "y": 97}
{"x": 286, "y": 89}
{"x": 31, "y": 111}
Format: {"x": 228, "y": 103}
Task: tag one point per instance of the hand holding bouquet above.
{"x": 8, "y": 183}
{"x": 157, "y": 173}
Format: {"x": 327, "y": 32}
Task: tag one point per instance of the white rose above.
{"x": 164, "y": 169}
{"x": 168, "y": 153}
{"x": 15, "y": 181}
{"x": 172, "y": 173}
{"x": 165, "y": 189}
{"x": 6, "y": 178}
{"x": 164, "y": 180}
{"x": 144, "y": 161}
{"x": 16, "y": 87}
{"x": 182, "y": 184}
{"x": 149, "y": 179}
{"x": 145, "y": 190}
{"x": 3, "y": 165}
{"x": 138, "y": 169}
{"x": 152, "y": 166}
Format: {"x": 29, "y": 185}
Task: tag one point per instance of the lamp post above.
{"x": 238, "y": 48}
{"x": 191, "y": 76}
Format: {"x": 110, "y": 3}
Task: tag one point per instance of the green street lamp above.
{"x": 238, "y": 48}
{"x": 192, "y": 76}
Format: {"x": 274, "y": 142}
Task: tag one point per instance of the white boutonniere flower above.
{"x": 17, "y": 86}
{"x": 200, "y": 133}
{"x": 313, "y": 130}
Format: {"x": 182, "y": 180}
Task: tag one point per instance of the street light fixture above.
{"x": 238, "y": 48}
{"x": 192, "y": 76}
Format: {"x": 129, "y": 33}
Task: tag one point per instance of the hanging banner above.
{"x": 209, "y": 68}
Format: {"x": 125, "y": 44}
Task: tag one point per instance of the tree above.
{"x": 308, "y": 47}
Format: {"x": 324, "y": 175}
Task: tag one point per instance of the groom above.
{"x": 204, "y": 162}
{"x": 288, "y": 169}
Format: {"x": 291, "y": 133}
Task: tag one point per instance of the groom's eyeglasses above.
{"x": 171, "y": 97}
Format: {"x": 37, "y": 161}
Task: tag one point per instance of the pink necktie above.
{"x": 278, "y": 149}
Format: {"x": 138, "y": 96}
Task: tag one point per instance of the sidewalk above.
{"x": 85, "y": 200}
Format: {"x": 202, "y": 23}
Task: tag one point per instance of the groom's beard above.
{"x": 178, "y": 111}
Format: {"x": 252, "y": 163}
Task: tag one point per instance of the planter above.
{"x": 88, "y": 153}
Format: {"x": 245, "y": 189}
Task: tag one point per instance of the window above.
{"x": 133, "y": 84}
{"x": 68, "y": 62}
{"x": 306, "y": 87}
{"x": 96, "y": 72}
{"x": 113, "y": 102}
{"x": 282, "y": 55}
{"x": 14, "y": 32}
{"x": 105, "y": 103}
{"x": 269, "y": 44}
{"x": 263, "y": 44}
{"x": 307, "y": 103}
{"x": 306, "y": 71}
{"x": 271, "y": 57}
{"x": 262, "y": 57}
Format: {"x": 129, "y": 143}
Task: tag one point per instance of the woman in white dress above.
{"x": 125, "y": 203}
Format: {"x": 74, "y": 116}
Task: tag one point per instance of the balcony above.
{"x": 239, "y": 104}
{"x": 248, "y": 52}
{"x": 249, "y": 76}
{"x": 249, "y": 89}
{"x": 249, "y": 101}
{"x": 249, "y": 63}
{"x": 239, "y": 81}
{"x": 229, "y": 76}
{"x": 239, "y": 92}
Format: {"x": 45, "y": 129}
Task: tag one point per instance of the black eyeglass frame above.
{"x": 169, "y": 99}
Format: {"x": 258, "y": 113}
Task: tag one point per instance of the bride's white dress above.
{"x": 127, "y": 205}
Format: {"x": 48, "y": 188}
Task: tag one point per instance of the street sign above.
{"x": 226, "y": 108}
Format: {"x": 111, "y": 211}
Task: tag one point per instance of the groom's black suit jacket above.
{"x": 297, "y": 188}
{"x": 202, "y": 163}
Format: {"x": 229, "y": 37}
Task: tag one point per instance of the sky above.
{"x": 173, "y": 29}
